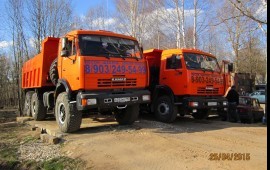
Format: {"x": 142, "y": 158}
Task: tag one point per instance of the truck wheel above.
{"x": 165, "y": 111}
{"x": 54, "y": 72}
{"x": 27, "y": 104}
{"x": 37, "y": 108}
{"x": 67, "y": 116}
{"x": 200, "y": 114}
{"x": 128, "y": 115}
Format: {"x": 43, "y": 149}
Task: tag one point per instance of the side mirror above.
{"x": 64, "y": 41}
{"x": 230, "y": 67}
{"x": 64, "y": 51}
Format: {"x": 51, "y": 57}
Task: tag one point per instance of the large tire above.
{"x": 128, "y": 115}
{"x": 164, "y": 110}
{"x": 27, "y": 104}
{"x": 201, "y": 114}
{"x": 54, "y": 72}
{"x": 37, "y": 108}
{"x": 68, "y": 118}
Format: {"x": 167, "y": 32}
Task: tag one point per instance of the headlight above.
{"x": 91, "y": 101}
{"x": 194, "y": 104}
{"x": 146, "y": 97}
{"x": 225, "y": 103}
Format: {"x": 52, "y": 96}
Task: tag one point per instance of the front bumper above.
{"x": 107, "y": 100}
{"x": 214, "y": 103}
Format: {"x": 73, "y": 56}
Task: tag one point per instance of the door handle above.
{"x": 64, "y": 70}
{"x": 163, "y": 78}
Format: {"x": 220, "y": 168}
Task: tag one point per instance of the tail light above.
{"x": 193, "y": 104}
{"x": 241, "y": 110}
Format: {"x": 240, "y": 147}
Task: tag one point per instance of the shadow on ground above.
{"x": 186, "y": 124}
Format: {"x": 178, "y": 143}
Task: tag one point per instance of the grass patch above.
{"x": 62, "y": 163}
{"x": 28, "y": 139}
{"x": 9, "y": 145}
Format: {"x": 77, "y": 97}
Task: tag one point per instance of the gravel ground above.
{"x": 38, "y": 151}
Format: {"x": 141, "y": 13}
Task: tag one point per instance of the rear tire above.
{"x": 164, "y": 110}
{"x": 201, "y": 114}
{"x": 54, "y": 72}
{"x": 37, "y": 108}
{"x": 67, "y": 116}
{"x": 128, "y": 115}
{"x": 27, "y": 104}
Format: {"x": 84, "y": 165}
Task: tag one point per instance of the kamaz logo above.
{"x": 118, "y": 79}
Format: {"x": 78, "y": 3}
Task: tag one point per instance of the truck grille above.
{"x": 203, "y": 90}
{"x": 130, "y": 82}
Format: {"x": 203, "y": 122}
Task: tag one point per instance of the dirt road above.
{"x": 185, "y": 144}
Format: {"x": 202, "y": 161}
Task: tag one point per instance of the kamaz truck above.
{"x": 186, "y": 81}
{"x": 83, "y": 71}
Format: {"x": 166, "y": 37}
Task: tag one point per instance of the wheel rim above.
{"x": 61, "y": 113}
{"x": 163, "y": 108}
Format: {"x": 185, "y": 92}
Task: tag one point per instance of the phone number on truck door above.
{"x": 112, "y": 67}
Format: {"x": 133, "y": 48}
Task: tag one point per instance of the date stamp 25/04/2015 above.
{"x": 229, "y": 156}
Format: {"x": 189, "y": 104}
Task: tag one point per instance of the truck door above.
{"x": 171, "y": 72}
{"x": 68, "y": 69}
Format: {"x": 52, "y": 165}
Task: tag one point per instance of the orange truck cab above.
{"x": 186, "y": 81}
{"x": 86, "y": 70}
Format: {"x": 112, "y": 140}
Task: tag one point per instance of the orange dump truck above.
{"x": 86, "y": 70}
{"x": 186, "y": 81}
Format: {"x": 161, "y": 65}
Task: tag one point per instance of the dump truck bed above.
{"x": 35, "y": 71}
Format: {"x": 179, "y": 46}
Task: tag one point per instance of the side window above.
{"x": 69, "y": 47}
{"x": 255, "y": 102}
{"x": 173, "y": 62}
{"x": 73, "y": 48}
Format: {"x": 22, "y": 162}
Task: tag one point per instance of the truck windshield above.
{"x": 96, "y": 45}
{"x": 201, "y": 62}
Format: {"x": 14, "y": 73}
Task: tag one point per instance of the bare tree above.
{"x": 251, "y": 55}
{"x": 6, "y": 84}
{"x": 247, "y": 9}
{"x": 252, "y": 9}
{"x": 131, "y": 17}
{"x": 180, "y": 20}
{"x": 235, "y": 29}
{"x": 19, "y": 46}
{"x": 96, "y": 18}
{"x": 48, "y": 18}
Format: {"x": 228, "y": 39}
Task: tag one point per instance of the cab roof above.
{"x": 176, "y": 50}
{"x": 99, "y": 32}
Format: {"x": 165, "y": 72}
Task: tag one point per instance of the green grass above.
{"x": 9, "y": 145}
{"x": 28, "y": 139}
{"x": 8, "y": 151}
{"x": 61, "y": 163}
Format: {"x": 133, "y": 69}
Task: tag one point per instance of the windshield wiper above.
{"x": 207, "y": 69}
{"x": 192, "y": 67}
